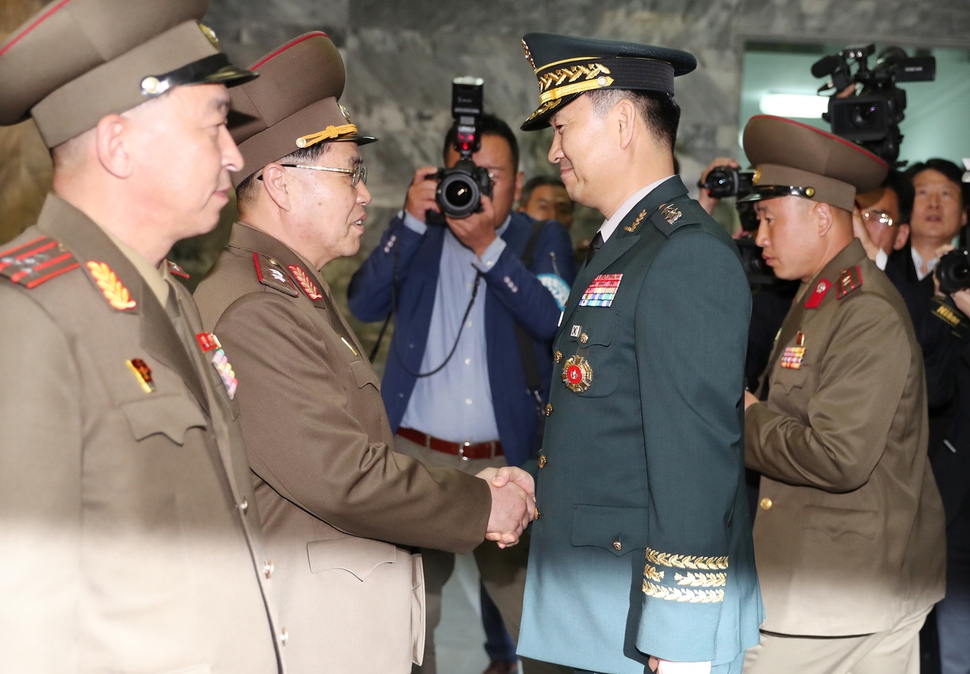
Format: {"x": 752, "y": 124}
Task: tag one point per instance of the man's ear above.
{"x": 902, "y": 236}
{"x": 518, "y": 189}
{"x": 824, "y": 217}
{"x": 624, "y": 116}
{"x": 113, "y": 141}
{"x": 277, "y": 186}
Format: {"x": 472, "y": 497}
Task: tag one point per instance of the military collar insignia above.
{"x": 111, "y": 287}
{"x": 36, "y": 262}
{"x": 671, "y": 213}
{"x": 849, "y": 280}
{"x": 821, "y": 290}
{"x": 632, "y": 227}
{"x": 271, "y": 273}
{"x": 176, "y": 270}
{"x": 306, "y": 282}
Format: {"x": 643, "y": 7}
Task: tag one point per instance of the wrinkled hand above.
{"x": 668, "y": 667}
{"x": 940, "y": 252}
{"x": 513, "y": 504}
{"x": 477, "y": 231}
{"x": 860, "y": 232}
{"x": 706, "y": 200}
{"x": 421, "y": 193}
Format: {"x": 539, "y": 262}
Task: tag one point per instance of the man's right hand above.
{"x": 421, "y": 193}
{"x": 703, "y": 198}
{"x": 512, "y": 506}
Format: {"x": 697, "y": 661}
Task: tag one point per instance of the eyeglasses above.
{"x": 359, "y": 172}
{"x": 878, "y": 216}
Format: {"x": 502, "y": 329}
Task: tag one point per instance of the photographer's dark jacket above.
{"x": 512, "y": 295}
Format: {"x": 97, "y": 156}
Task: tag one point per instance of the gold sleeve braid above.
{"x": 696, "y": 577}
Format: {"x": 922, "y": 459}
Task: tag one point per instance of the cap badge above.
{"x": 111, "y": 286}
{"x": 345, "y": 112}
{"x": 821, "y": 290}
{"x": 309, "y": 287}
{"x": 671, "y": 213}
{"x": 152, "y": 86}
{"x": 528, "y": 56}
{"x": 757, "y": 176}
{"x": 211, "y": 34}
{"x": 632, "y": 227}
{"x": 577, "y": 374}
{"x": 144, "y": 374}
{"x": 601, "y": 291}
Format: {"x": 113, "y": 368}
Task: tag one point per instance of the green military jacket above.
{"x": 643, "y": 546}
{"x": 849, "y": 534}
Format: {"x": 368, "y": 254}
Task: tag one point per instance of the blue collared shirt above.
{"x": 456, "y": 403}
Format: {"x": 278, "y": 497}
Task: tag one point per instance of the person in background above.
{"x": 545, "y": 198}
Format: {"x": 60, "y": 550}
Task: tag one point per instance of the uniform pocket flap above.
{"x": 170, "y": 414}
{"x": 359, "y": 556}
{"x": 785, "y": 379}
{"x": 837, "y": 522}
{"x": 599, "y": 328}
{"x": 612, "y": 528}
{"x": 364, "y": 374}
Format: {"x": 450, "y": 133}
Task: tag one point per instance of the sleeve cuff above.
{"x": 412, "y": 222}
{"x": 881, "y": 259}
{"x": 491, "y": 255}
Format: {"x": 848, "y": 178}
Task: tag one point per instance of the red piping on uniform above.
{"x": 36, "y": 282}
{"x": 841, "y": 140}
{"x": 31, "y": 253}
{"x": 291, "y": 43}
{"x": 21, "y": 247}
{"x": 49, "y": 263}
{"x": 33, "y": 25}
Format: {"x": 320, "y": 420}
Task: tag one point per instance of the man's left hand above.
{"x": 477, "y": 231}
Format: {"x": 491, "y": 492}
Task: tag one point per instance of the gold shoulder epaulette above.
{"x": 271, "y": 273}
{"x": 36, "y": 262}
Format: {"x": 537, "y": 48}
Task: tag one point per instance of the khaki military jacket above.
{"x": 128, "y": 526}
{"x": 338, "y": 503}
{"x": 849, "y": 534}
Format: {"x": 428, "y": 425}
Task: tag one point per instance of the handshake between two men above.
{"x": 513, "y": 504}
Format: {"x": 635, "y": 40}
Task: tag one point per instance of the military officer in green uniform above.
{"x": 849, "y": 536}
{"x": 641, "y": 551}
{"x": 128, "y": 524}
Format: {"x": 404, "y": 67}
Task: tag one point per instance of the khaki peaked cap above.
{"x": 791, "y": 154}
{"x": 76, "y": 61}
{"x": 293, "y": 104}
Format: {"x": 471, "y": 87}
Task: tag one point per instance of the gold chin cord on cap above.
{"x": 326, "y": 134}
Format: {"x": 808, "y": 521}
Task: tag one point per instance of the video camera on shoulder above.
{"x": 871, "y": 117}
{"x": 460, "y": 188}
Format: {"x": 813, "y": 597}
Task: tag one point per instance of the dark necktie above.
{"x": 594, "y": 246}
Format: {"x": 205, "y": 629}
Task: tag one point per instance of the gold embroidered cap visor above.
{"x": 567, "y": 67}
{"x": 76, "y": 61}
{"x": 797, "y": 159}
{"x": 293, "y": 105}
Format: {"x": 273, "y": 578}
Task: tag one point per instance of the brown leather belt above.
{"x": 466, "y": 450}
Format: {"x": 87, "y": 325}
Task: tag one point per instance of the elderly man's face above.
{"x": 880, "y": 214}
{"x": 182, "y": 154}
{"x": 937, "y": 207}
{"x": 788, "y": 233}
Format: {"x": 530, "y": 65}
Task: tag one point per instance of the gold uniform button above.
{"x": 617, "y": 546}
{"x": 558, "y": 356}
{"x": 536, "y": 514}
{"x": 583, "y": 338}
{"x": 766, "y": 504}
{"x": 268, "y": 569}
{"x": 549, "y": 410}
{"x": 542, "y": 461}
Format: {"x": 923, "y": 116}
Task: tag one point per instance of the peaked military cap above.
{"x": 567, "y": 67}
{"x": 794, "y": 159}
{"x": 76, "y": 61}
{"x": 293, "y": 104}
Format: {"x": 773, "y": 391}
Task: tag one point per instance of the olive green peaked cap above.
{"x": 76, "y": 61}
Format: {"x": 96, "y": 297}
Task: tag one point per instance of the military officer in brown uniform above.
{"x": 849, "y": 536}
{"x": 339, "y": 504}
{"x": 128, "y": 523}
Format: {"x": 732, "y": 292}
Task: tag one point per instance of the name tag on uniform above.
{"x": 601, "y": 291}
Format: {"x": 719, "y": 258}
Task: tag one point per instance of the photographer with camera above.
{"x": 469, "y": 364}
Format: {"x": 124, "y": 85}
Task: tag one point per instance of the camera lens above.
{"x": 865, "y": 116}
{"x": 458, "y": 193}
{"x": 953, "y": 271}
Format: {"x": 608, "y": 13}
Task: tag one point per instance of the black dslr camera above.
{"x": 871, "y": 117}
{"x": 953, "y": 271}
{"x": 460, "y": 188}
{"x": 726, "y": 181}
